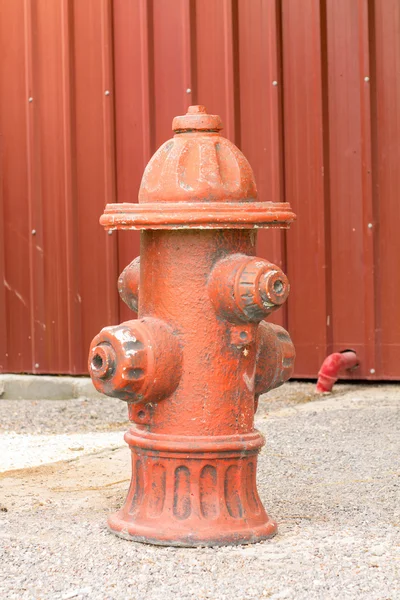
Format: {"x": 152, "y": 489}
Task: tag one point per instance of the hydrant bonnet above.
{"x": 197, "y": 179}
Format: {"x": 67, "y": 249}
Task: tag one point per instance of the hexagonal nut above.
{"x": 274, "y": 287}
{"x": 135, "y": 361}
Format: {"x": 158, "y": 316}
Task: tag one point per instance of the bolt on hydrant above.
{"x": 194, "y": 363}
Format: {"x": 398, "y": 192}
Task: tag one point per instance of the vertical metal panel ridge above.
{"x": 108, "y": 100}
{"x": 3, "y": 307}
{"x": 304, "y": 186}
{"x": 109, "y": 150}
{"x": 387, "y": 180}
{"x": 192, "y": 52}
{"x": 276, "y": 51}
{"x": 371, "y": 367}
{"x": 35, "y": 221}
{"x": 29, "y": 142}
{"x": 187, "y": 67}
{"x": 374, "y": 183}
{"x": 147, "y": 77}
{"x": 326, "y": 175}
{"x": 3, "y": 303}
{"x": 74, "y": 301}
{"x": 231, "y": 71}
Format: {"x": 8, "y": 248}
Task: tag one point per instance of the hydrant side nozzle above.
{"x": 136, "y": 361}
{"x": 275, "y": 357}
{"x": 128, "y": 284}
{"x": 246, "y": 289}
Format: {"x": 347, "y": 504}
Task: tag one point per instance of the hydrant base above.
{"x": 232, "y": 538}
{"x": 193, "y": 491}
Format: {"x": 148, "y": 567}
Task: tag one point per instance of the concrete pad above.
{"x": 46, "y": 387}
{"x": 19, "y": 451}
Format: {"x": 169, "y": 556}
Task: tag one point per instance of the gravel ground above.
{"x": 62, "y": 416}
{"x": 34, "y": 432}
{"x": 329, "y": 475}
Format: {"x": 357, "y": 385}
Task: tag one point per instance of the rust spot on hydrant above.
{"x": 194, "y": 363}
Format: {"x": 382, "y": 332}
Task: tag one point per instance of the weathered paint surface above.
{"x": 193, "y": 364}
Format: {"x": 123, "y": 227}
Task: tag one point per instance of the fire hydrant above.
{"x": 194, "y": 363}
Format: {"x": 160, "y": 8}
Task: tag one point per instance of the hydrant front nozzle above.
{"x": 136, "y": 361}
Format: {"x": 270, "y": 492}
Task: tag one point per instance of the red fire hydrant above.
{"x": 194, "y": 363}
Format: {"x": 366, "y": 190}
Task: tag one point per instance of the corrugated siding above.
{"x": 310, "y": 91}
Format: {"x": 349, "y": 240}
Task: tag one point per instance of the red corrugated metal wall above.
{"x": 310, "y": 91}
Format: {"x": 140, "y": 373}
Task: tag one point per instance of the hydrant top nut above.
{"x": 197, "y": 119}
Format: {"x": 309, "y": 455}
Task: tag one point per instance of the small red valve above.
{"x": 331, "y": 367}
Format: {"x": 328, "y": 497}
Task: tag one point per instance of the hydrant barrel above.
{"x": 194, "y": 363}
